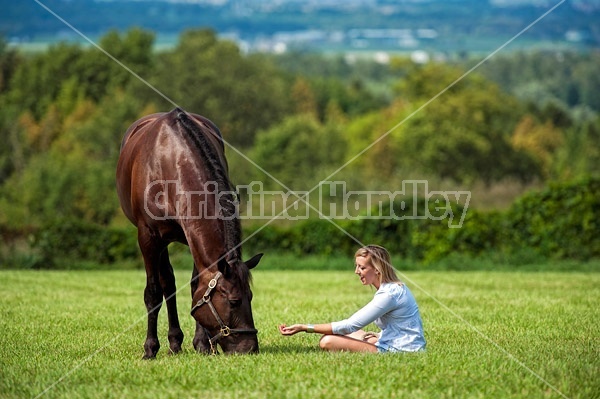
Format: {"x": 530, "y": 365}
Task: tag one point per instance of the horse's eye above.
{"x": 235, "y": 302}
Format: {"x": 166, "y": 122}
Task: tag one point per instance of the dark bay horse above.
{"x": 173, "y": 185}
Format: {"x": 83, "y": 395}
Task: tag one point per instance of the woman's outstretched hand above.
{"x": 291, "y": 330}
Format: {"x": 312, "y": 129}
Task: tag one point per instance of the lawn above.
{"x": 79, "y": 334}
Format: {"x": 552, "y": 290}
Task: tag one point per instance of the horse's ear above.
{"x": 252, "y": 262}
{"x": 223, "y": 266}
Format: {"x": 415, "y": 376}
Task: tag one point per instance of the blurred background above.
{"x": 300, "y": 88}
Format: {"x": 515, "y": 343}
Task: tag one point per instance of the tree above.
{"x": 566, "y": 77}
{"x": 299, "y": 152}
{"x": 422, "y": 83}
{"x": 304, "y": 98}
{"x": 373, "y": 150}
{"x": 464, "y": 135}
{"x": 541, "y": 141}
{"x": 210, "y": 77}
{"x": 99, "y": 74}
{"x": 13, "y": 146}
{"x": 587, "y": 79}
{"x": 9, "y": 62}
{"x": 38, "y": 81}
{"x": 74, "y": 176}
{"x": 579, "y": 156}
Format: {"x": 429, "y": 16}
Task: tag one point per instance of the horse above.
{"x": 173, "y": 184}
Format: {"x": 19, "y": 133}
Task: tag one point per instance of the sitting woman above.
{"x": 393, "y": 309}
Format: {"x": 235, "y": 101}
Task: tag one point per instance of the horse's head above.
{"x": 222, "y": 305}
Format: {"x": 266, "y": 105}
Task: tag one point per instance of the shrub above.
{"x": 75, "y": 239}
{"x": 480, "y": 233}
{"x": 561, "y": 221}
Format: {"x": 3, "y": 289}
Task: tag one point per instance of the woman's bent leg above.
{"x": 336, "y": 343}
{"x": 362, "y": 335}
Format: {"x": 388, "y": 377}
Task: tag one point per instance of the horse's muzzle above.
{"x": 242, "y": 344}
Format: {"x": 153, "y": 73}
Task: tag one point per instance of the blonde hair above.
{"x": 380, "y": 259}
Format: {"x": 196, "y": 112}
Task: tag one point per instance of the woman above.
{"x": 393, "y": 309}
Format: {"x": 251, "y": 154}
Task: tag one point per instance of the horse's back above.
{"x": 131, "y": 150}
{"x": 138, "y": 125}
{"x": 151, "y": 150}
{"x": 170, "y": 118}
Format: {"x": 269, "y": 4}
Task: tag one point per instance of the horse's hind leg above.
{"x": 151, "y": 247}
{"x": 167, "y": 281}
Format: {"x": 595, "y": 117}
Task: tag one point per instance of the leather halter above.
{"x": 224, "y": 331}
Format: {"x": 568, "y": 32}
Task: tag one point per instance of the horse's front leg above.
{"x": 167, "y": 281}
{"x": 153, "y": 293}
{"x": 201, "y": 341}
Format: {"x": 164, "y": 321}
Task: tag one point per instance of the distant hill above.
{"x": 322, "y": 25}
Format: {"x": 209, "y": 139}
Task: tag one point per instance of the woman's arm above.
{"x": 296, "y": 328}
{"x": 379, "y": 305}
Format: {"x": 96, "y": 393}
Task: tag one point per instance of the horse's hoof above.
{"x": 149, "y": 355}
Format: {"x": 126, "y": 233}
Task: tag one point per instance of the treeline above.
{"x": 63, "y": 113}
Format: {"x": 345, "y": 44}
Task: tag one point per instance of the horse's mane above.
{"x": 218, "y": 174}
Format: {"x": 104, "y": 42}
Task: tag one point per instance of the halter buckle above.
{"x": 225, "y": 331}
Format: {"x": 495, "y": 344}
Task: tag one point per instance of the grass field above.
{"x": 79, "y": 334}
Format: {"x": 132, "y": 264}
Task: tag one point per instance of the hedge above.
{"x": 559, "y": 222}
{"x": 72, "y": 239}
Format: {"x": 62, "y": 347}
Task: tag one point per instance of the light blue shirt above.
{"x": 395, "y": 311}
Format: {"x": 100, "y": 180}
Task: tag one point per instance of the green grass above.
{"x": 79, "y": 334}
